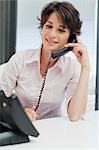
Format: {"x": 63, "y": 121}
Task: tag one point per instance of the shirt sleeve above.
{"x": 8, "y": 78}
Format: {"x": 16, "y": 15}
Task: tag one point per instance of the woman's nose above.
{"x": 53, "y": 33}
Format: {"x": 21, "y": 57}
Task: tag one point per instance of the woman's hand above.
{"x": 80, "y": 52}
{"x": 31, "y": 113}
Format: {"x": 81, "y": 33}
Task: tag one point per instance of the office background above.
{"x": 19, "y": 31}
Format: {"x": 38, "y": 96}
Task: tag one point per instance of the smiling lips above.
{"x": 51, "y": 42}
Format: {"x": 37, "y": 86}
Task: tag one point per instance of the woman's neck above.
{"x": 45, "y": 57}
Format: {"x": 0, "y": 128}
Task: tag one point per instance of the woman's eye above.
{"x": 49, "y": 26}
{"x": 61, "y": 30}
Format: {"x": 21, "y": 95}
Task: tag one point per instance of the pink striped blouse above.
{"x": 22, "y": 74}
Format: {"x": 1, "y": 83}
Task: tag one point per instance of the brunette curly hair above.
{"x": 66, "y": 12}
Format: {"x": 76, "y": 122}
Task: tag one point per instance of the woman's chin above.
{"x": 51, "y": 47}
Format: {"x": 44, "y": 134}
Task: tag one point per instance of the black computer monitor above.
{"x": 15, "y": 126}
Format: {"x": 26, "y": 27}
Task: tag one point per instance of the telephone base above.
{"x": 10, "y": 138}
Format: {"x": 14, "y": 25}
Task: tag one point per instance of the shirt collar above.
{"x": 35, "y": 56}
{"x": 61, "y": 63}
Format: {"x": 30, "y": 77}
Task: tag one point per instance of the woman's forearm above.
{"x": 78, "y": 102}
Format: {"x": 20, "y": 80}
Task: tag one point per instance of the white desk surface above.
{"x": 60, "y": 133}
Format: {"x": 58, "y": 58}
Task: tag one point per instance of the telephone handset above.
{"x": 62, "y": 51}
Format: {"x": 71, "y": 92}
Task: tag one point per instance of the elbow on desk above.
{"x": 74, "y": 118}
{"x": 74, "y": 115}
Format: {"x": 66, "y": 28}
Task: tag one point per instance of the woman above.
{"x": 26, "y": 71}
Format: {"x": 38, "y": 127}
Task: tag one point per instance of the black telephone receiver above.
{"x": 62, "y": 51}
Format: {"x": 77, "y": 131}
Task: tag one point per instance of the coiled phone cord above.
{"x": 43, "y": 84}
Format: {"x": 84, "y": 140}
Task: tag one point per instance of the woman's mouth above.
{"x": 51, "y": 42}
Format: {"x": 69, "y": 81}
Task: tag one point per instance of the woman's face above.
{"x": 54, "y": 34}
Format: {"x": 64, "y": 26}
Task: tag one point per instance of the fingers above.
{"x": 80, "y": 51}
{"x": 74, "y": 44}
{"x": 71, "y": 45}
{"x": 33, "y": 107}
{"x": 78, "y": 39}
{"x": 31, "y": 113}
{"x": 77, "y": 47}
